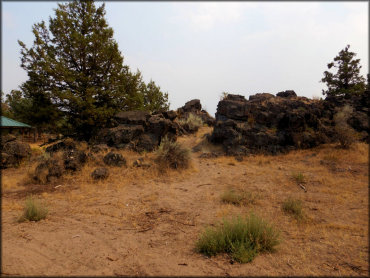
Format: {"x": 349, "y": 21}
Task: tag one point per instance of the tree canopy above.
{"x": 347, "y": 79}
{"x": 76, "y": 70}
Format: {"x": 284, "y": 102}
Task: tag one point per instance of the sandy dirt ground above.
{"x": 143, "y": 222}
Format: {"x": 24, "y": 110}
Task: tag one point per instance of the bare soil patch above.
{"x": 142, "y": 222}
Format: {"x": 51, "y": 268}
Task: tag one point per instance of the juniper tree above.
{"x": 347, "y": 79}
{"x": 75, "y": 64}
{"x": 154, "y": 98}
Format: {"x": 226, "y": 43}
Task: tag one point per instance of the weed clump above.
{"x": 299, "y": 177}
{"x": 238, "y": 197}
{"x": 33, "y": 211}
{"x": 173, "y": 155}
{"x": 192, "y": 123}
{"x": 242, "y": 238}
{"x": 345, "y": 134}
{"x": 293, "y": 207}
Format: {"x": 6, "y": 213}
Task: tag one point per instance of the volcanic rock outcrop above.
{"x": 195, "y": 107}
{"x": 138, "y": 130}
{"x": 143, "y": 131}
{"x": 274, "y": 124}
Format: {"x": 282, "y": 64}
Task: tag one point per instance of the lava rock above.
{"x": 287, "y": 94}
{"x": 74, "y": 159}
{"x": 100, "y": 173}
{"x": 114, "y": 159}
{"x": 132, "y": 117}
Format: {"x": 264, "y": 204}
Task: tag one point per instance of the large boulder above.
{"x": 191, "y": 106}
{"x": 158, "y": 125}
{"x": 122, "y": 134}
{"x": 139, "y": 130}
{"x": 287, "y": 94}
{"x": 74, "y": 159}
{"x": 232, "y": 107}
{"x": 49, "y": 170}
{"x": 100, "y": 173}
{"x": 147, "y": 142}
{"x": 132, "y": 117}
{"x": 13, "y": 152}
{"x": 171, "y": 115}
{"x": 114, "y": 159}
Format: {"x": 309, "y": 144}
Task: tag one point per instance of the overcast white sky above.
{"x": 200, "y": 49}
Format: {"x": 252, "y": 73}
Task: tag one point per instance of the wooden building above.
{"x": 10, "y": 126}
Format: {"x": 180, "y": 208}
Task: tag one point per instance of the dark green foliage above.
{"x": 34, "y": 108}
{"x": 173, "y": 155}
{"x": 347, "y": 79}
{"x": 76, "y": 67}
{"x": 294, "y": 207}
{"x": 242, "y": 238}
{"x": 33, "y": 211}
{"x": 154, "y": 98}
{"x": 5, "y": 108}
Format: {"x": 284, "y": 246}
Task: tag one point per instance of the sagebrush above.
{"x": 191, "y": 123}
{"x": 173, "y": 155}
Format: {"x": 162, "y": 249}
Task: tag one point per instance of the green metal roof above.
{"x": 6, "y": 122}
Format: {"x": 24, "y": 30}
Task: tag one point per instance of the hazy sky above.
{"x": 200, "y": 49}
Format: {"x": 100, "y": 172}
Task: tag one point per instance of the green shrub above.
{"x": 238, "y": 197}
{"x": 294, "y": 207}
{"x": 192, "y": 123}
{"x": 299, "y": 177}
{"x": 33, "y": 211}
{"x": 173, "y": 155}
{"x": 242, "y": 238}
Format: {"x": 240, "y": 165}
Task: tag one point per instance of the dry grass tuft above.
{"x": 299, "y": 177}
{"x": 242, "y": 238}
{"x": 238, "y": 197}
{"x": 293, "y": 207}
{"x": 33, "y": 211}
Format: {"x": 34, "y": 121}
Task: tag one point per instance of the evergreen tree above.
{"x": 154, "y": 98}
{"x": 75, "y": 64}
{"x": 18, "y": 106}
{"x": 347, "y": 79}
{"x": 5, "y": 109}
{"x": 37, "y": 110}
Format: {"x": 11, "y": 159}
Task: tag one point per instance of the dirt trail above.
{"x": 149, "y": 226}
